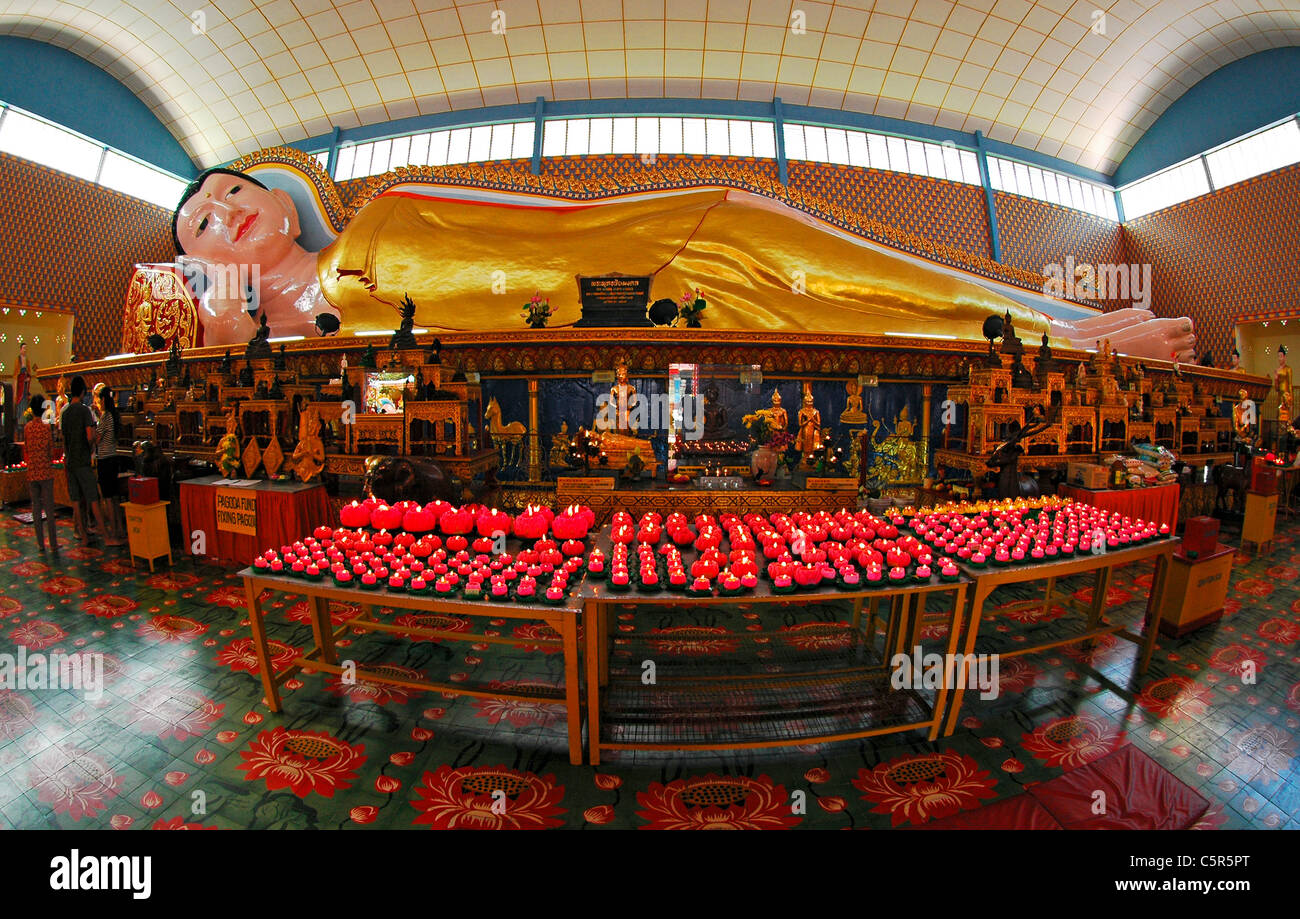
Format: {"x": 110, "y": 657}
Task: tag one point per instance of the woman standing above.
{"x": 38, "y": 454}
{"x": 106, "y": 462}
{"x": 22, "y": 380}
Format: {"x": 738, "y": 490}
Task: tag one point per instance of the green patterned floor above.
{"x": 180, "y": 736}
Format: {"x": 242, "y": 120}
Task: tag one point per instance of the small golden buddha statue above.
{"x": 853, "y": 413}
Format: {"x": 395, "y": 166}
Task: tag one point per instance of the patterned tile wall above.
{"x": 941, "y": 211}
{"x": 1035, "y": 234}
{"x": 72, "y": 244}
{"x": 1224, "y": 255}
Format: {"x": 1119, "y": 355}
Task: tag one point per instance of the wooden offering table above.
{"x": 831, "y": 685}
{"x": 1103, "y": 567}
{"x": 324, "y": 655}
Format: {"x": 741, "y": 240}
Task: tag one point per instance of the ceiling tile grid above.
{"x": 1072, "y": 79}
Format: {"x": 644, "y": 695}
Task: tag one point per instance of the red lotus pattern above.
{"x": 921, "y": 788}
{"x": 1235, "y": 657}
{"x": 519, "y": 714}
{"x": 17, "y": 714}
{"x": 487, "y": 798}
{"x": 1115, "y": 596}
{"x": 1034, "y": 613}
{"x": 302, "y": 761}
{"x": 531, "y": 632}
{"x": 363, "y": 690}
{"x": 1254, "y": 587}
{"x": 241, "y": 655}
{"x": 37, "y": 634}
{"x": 1280, "y": 631}
{"x": 166, "y": 628}
{"x": 818, "y": 636}
{"x": 178, "y": 823}
{"x": 175, "y": 711}
{"x": 717, "y": 802}
{"x": 1071, "y": 741}
{"x": 437, "y": 622}
{"x": 172, "y": 581}
{"x": 64, "y": 585}
{"x": 1015, "y": 674}
{"x": 1084, "y": 655}
{"x": 72, "y": 781}
{"x": 109, "y": 606}
{"x": 693, "y": 641}
{"x": 9, "y": 606}
{"x": 233, "y": 597}
{"x": 339, "y": 612}
{"x": 1176, "y": 698}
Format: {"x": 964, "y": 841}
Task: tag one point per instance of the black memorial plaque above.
{"x": 614, "y": 300}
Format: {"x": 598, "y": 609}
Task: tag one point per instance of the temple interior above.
{"x": 756, "y": 415}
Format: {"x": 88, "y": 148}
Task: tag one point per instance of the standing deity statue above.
{"x": 808, "y": 439}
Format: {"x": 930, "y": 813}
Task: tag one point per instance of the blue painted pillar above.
{"x": 539, "y": 125}
{"x": 333, "y": 158}
{"x": 778, "y": 125}
{"x": 980, "y": 157}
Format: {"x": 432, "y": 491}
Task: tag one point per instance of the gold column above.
{"x": 534, "y": 434}
{"x": 927, "y": 391}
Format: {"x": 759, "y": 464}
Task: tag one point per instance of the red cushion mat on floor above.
{"x": 1140, "y": 794}
{"x": 1019, "y": 812}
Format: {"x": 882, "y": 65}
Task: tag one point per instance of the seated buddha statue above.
{"x": 740, "y": 248}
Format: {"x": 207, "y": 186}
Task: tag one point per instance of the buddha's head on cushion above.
{"x": 228, "y": 217}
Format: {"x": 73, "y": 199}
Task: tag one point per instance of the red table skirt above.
{"x": 1158, "y": 503}
{"x": 282, "y": 518}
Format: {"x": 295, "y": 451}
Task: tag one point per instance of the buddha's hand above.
{"x": 225, "y": 319}
{"x": 1153, "y": 339}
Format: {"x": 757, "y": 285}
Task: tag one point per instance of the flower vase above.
{"x": 763, "y": 461}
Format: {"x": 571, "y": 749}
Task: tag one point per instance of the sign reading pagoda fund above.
{"x": 237, "y": 511}
{"x": 614, "y": 300}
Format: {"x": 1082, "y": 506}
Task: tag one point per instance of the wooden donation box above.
{"x": 1261, "y": 517}
{"x": 1197, "y": 590}
{"x": 146, "y": 531}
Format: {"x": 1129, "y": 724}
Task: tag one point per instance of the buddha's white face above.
{"x": 230, "y": 220}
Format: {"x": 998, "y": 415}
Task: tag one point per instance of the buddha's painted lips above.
{"x": 245, "y": 227}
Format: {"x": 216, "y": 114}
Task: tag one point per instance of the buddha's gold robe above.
{"x": 760, "y": 266}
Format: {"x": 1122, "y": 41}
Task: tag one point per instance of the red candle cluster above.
{"x": 405, "y": 562}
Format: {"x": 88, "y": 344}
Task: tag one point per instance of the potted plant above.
{"x": 763, "y": 460}
{"x": 690, "y": 308}
{"x": 537, "y": 311}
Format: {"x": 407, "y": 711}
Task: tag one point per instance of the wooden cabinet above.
{"x": 146, "y": 530}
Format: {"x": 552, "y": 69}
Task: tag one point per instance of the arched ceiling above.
{"x": 1046, "y": 75}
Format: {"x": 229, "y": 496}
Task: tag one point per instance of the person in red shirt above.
{"x": 38, "y": 454}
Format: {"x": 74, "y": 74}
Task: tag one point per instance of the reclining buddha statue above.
{"x": 467, "y": 261}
